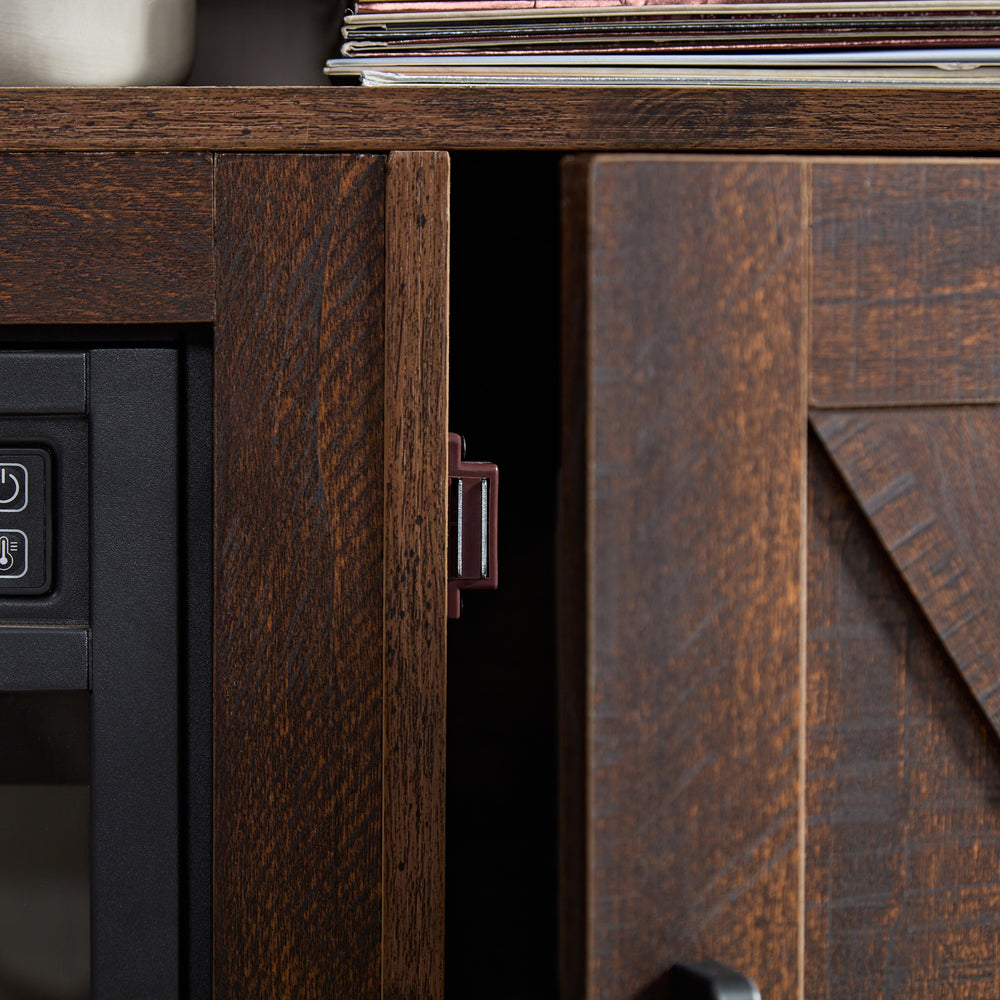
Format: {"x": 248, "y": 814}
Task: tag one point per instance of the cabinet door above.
{"x": 330, "y": 575}
{"x": 780, "y": 635}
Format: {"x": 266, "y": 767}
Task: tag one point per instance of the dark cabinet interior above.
{"x": 501, "y": 912}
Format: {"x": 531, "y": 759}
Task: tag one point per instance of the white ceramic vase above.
{"x": 115, "y": 43}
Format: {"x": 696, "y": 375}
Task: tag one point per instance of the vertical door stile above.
{"x": 684, "y": 440}
{"x": 299, "y": 565}
{"x": 416, "y": 572}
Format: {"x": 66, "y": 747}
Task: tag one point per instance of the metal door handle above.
{"x": 709, "y": 981}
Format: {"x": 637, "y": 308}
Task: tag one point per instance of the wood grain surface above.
{"x": 572, "y": 625}
{"x": 928, "y": 479}
{"x": 416, "y": 573}
{"x": 904, "y": 782}
{"x": 905, "y": 282}
{"x": 106, "y": 238}
{"x": 694, "y": 451}
{"x": 575, "y": 118}
{"x": 299, "y": 478}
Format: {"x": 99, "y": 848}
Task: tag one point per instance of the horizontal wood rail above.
{"x": 359, "y": 119}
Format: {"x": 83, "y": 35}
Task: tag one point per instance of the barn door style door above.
{"x": 780, "y": 629}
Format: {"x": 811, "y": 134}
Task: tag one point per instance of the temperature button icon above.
{"x": 13, "y": 488}
{"x": 13, "y": 554}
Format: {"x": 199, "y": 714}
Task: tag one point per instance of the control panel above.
{"x": 105, "y": 586}
{"x": 25, "y": 521}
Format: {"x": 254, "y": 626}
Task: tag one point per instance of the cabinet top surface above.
{"x": 318, "y": 119}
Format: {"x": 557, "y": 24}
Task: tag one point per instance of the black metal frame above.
{"x": 196, "y": 680}
{"x": 129, "y": 618}
{"x": 134, "y": 854}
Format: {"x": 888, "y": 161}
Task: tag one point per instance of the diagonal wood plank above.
{"x": 928, "y": 480}
{"x": 903, "y": 835}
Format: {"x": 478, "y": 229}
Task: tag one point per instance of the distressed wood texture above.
{"x": 416, "y": 572}
{"x": 571, "y": 606}
{"x": 314, "y": 119}
{"x": 904, "y": 783}
{"x": 299, "y": 477}
{"x": 106, "y": 238}
{"x": 906, "y": 282}
{"x": 928, "y": 479}
{"x": 694, "y": 453}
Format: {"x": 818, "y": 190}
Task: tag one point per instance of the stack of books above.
{"x": 636, "y": 42}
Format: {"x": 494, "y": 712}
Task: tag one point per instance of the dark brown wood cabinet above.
{"x": 778, "y": 658}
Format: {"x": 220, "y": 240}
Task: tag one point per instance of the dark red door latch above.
{"x": 472, "y": 525}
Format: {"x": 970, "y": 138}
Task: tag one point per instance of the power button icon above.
{"x": 13, "y": 487}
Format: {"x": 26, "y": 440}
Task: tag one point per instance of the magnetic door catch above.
{"x": 472, "y": 525}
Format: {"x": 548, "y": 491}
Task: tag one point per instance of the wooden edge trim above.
{"x": 415, "y": 591}
{"x": 574, "y": 574}
{"x": 355, "y": 119}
